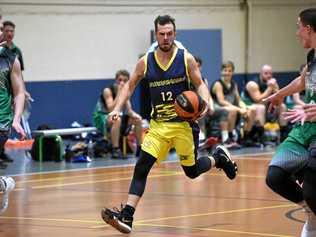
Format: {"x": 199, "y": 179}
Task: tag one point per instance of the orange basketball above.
{"x": 189, "y": 105}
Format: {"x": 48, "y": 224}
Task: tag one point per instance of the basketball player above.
{"x": 12, "y": 98}
{"x": 168, "y": 70}
{"x": 296, "y": 156}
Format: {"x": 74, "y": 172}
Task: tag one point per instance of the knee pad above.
{"x": 312, "y": 157}
{"x": 143, "y": 165}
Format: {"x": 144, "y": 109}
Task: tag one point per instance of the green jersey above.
{"x": 310, "y": 79}
{"x": 6, "y": 112}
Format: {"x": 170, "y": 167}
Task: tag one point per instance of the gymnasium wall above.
{"x": 83, "y": 43}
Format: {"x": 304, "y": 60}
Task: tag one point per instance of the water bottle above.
{"x": 90, "y": 149}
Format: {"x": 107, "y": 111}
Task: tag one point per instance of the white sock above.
{"x": 224, "y": 135}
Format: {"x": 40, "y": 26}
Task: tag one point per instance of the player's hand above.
{"x": 2, "y": 43}
{"x": 273, "y": 85}
{"x": 114, "y": 115}
{"x": 204, "y": 112}
{"x": 310, "y": 111}
{"x": 275, "y": 100}
{"x": 18, "y": 128}
{"x": 295, "y": 115}
{"x": 243, "y": 112}
{"x": 135, "y": 116}
{"x": 272, "y": 82}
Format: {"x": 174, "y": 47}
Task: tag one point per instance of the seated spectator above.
{"x": 203, "y": 120}
{"x": 258, "y": 89}
{"x": 297, "y": 99}
{"x": 105, "y": 105}
{"x": 226, "y": 96}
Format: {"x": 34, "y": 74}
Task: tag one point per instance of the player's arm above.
{"x": 131, "y": 112}
{"x": 196, "y": 79}
{"x": 297, "y": 85}
{"x": 254, "y": 92}
{"x": 18, "y": 89}
{"x": 108, "y": 98}
{"x": 219, "y": 93}
{"x": 297, "y": 100}
{"x": 241, "y": 103}
{"x": 129, "y": 87}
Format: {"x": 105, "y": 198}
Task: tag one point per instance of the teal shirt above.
{"x": 6, "y": 112}
{"x": 310, "y": 79}
{"x": 17, "y": 51}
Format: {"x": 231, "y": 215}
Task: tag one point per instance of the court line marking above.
{"x": 176, "y": 173}
{"x": 72, "y": 177}
{"x": 49, "y": 219}
{"x": 219, "y": 212}
{"x": 218, "y": 230}
{"x": 168, "y": 174}
{"x": 171, "y": 173}
{"x": 144, "y": 222}
{"x": 236, "y": 156}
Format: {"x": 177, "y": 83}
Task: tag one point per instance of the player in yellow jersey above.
{"x": 169, "y": 71}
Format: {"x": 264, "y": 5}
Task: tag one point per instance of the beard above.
{"x": 164, "y": 49}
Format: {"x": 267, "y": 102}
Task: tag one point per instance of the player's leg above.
{"x": 288, "y": 159}
{"x": 139, "y": 134}
{"x": 309, "y": 193}
{"x": 122, "y": 219}
{"x": 3, "y": 139}
{"x": 186, "y": 144}
{"x": 115, "y": 129}
{"x": 154, "y": 145}
{"x": 7, "y": 184}
{"x": 309, "y": 184}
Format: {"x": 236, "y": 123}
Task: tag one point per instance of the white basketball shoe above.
{"x": 7, "y": 184}
{"x": 309, "y": 228}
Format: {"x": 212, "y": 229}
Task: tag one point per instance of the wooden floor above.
{"x": 69, "y": 204}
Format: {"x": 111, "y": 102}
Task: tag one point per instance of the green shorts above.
{"x": 100, "y": 121}
{"x": 292, "y": 155}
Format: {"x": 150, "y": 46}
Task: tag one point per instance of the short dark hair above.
{"x": 8, "y": 23}
{"x": 198, "y": 60}
{"x": 308, "y": 17}
{"x": 122, "y": 72}
{"x": 228, "y": 64}
{"x": 163, "y": 20}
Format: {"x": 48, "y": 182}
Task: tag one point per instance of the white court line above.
{"x": 238, "y": 156}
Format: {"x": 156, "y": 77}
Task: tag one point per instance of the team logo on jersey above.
{"x": 182, "y": 158}
{"x": 183, "y": 101}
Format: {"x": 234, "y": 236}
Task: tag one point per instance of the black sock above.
{"x": 128, "y": 210}
{"x": 260, "y": 133}
{"x": 230, "y": 134}
{"x": 246, "y": 135}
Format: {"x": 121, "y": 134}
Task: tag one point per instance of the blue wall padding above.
{"x": 59, "y": 103}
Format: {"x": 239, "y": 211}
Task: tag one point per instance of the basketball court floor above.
{"x": 61, "y": 199}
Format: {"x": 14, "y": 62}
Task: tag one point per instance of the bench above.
{"x": 57, "y": 133}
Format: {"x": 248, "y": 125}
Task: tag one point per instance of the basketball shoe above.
{"x": 309, "y": 228}
{"x": 118, "y": 219}
{"x": 223, "y": 161}
{"x": 7, "y": 184}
